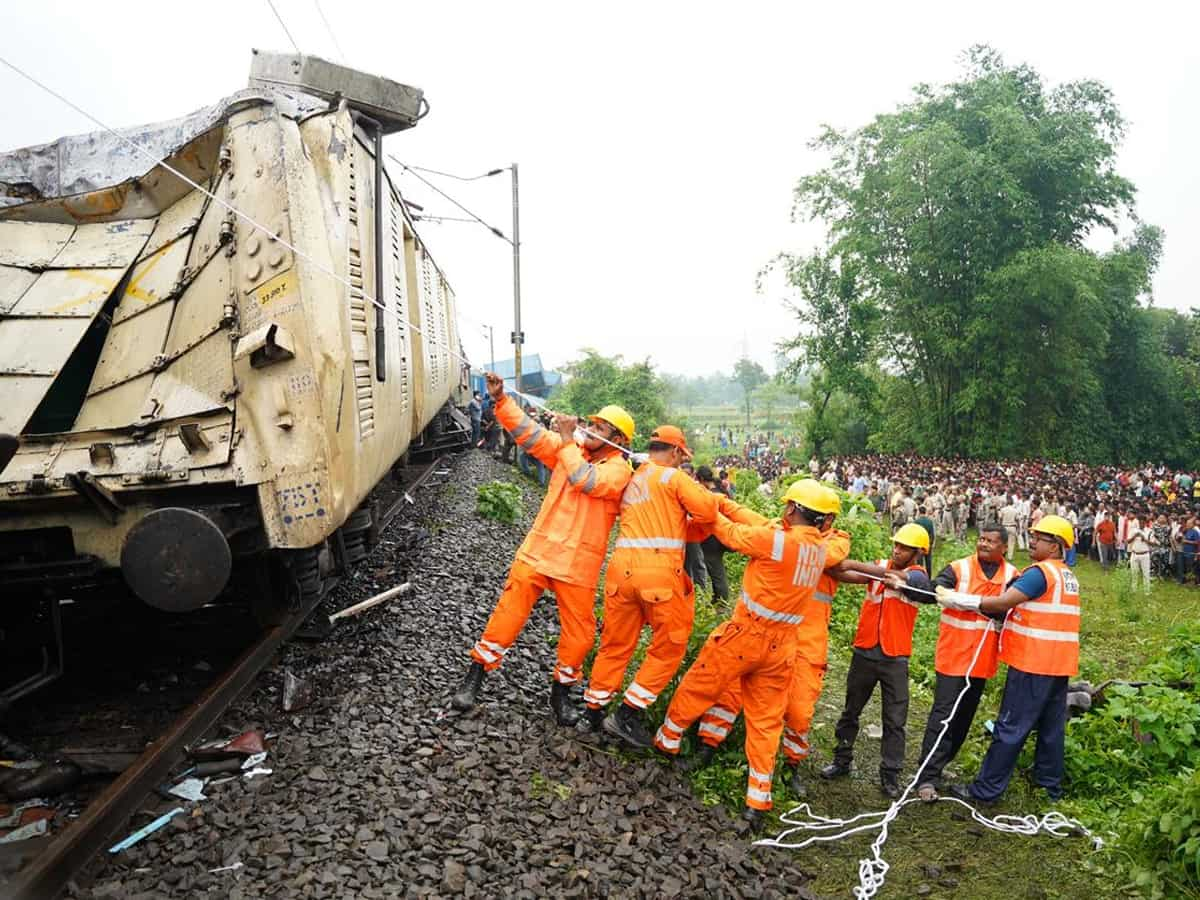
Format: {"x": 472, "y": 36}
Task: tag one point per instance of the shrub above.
{"x": 1161, "y": 834}
{"x": 499, "y": 500}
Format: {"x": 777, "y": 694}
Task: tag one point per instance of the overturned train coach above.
{"x": 194, "y": 398}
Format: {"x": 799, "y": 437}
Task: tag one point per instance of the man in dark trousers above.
{"x": 712, "y": 549}
{"x": 882, "y": 646}
{"x": 956, "y": 663}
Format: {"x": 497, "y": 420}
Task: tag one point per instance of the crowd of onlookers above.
{"x": 1145, "y": 516}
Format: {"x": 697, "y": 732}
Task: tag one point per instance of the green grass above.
{"x": 935, "y": 847}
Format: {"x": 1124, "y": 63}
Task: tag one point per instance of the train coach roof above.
{"x": 89, "y": 162}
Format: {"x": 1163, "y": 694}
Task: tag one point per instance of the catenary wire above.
{"x": 433, "y": 187}
{"x": 283, "y": 25}
{"x": 318, "y": 266}
{"x": 329, "y": 30}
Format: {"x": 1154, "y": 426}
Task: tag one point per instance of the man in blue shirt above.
{"x": 1191, "y": 545}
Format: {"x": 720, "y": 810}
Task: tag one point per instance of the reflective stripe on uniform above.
{"x": 1061, "y": 609}
{"x": 523, "y": 427}
{"x": 789, "y": 744}
{"x": 590, "y": 484}
{"x": 760, "y": 796}
{"x": 566, "y": 674}
{"x": 487, "y": 654}
{"x": 1044, "y": 634}
{"x": 528, "y": 442}
{"x": 715, "y": 730}
{"x": 720, "y": 712}
{"x": 579, "y": 474}
{"x": 650, "y": 543}
{"x": 969, "y": 624}
{"x": 822, "y": 597}
{"x": 666, "y": 475}
{"x": 754, "y": 773}
{"x": 498, "y": 649}
{"x": 777, "y": 547}
{"x": 640, "y": 695}
{"x": 759, "y": 610}
{"x": 671, "y": 726}
{"x": 662, "y": 740}
{"x": 597, "y": 697}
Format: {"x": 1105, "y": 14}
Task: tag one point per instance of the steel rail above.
{"x": 49, "y": 873}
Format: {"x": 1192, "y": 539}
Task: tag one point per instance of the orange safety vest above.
{"x": 569, "y": 537}
{"x": 1041, "y": 635}
{"x": 814, "y": 630}
{"x": 782, "y": 576}
{"x": 654, "y": 518}
{"x": 887, "y": 617}
{"x": 959, "y": 632}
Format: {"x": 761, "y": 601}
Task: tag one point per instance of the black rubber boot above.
{"x": 468, "y": 692}
{"x": 795, "y": 782}
{"x": 755, "y": 818}
{"x": 629, "y": 725}
{"x": 835, "y": 770}
{"x": 592, "y": 719}
{"x": 566, "y": 713}
{"x": 889, "y": 783}
{"x": 698, "y": 760}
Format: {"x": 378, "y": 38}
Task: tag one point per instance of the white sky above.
{"x": 658, "y": 143}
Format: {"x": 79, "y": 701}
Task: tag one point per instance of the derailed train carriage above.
{"x": 194, "y": 399}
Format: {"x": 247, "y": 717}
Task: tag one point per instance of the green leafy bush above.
{"x": 499, "y": 500}
{"x": 1161, "y": 834}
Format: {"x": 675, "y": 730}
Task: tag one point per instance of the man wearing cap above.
{"x": 645, "y": 584}
{"x": 564, "y": 550}
{"x": 1040, "y": 643}
{"x": 882, "y": 646}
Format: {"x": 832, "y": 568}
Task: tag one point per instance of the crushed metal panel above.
{"x": 31, "y": 353}
{"x": 21, "y": 398}
{"x": 104, "y": 245}
{"x": 153, "y": 280}
{"x": 14, "y": 282}
{"x": 32, "y": 244}
{"x": 67, "y": 293}
{"x": 181, "y": 218}
{"x": 130, "y": 348}
{"x": 117, "y": 407}
{"x": 199, "y": 381}
{"x": 199, "y": 311}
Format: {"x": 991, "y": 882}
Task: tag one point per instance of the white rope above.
{"x": 872, "y": 870}
{"x": 157, "y": 163}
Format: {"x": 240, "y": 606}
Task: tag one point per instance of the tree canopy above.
{"x": 596, "y": 381}
{"x": 956, "y": 307}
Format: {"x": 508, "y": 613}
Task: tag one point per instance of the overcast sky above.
{"x": 658, "y": 142}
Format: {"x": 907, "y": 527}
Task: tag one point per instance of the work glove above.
{"x": 958, "y": 599}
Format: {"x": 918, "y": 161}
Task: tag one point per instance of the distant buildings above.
{"x": 535, "y": 380}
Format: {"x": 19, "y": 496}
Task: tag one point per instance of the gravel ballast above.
{"x": 379, "y": 790}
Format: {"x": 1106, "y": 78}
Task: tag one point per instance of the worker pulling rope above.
{"x": 872, "y": 870}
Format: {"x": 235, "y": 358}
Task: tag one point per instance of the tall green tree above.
{"x": 748, "y": 374}
{"x": 956, "y": 270}
{"x": 595, "y": 381}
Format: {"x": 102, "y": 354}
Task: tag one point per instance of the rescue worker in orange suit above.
{"x": 986, "y": 573}
{"x": 1040, "y": 643}
{"x": 811, "y": 660}
{"x": 564, "y": 550}
{"x": 757, "y": 644}
{"x": 882, "y": 646}
{"x": 645, "y": 584}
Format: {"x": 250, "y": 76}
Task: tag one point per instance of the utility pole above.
{"x": 518, "y": 337}
{"x": 492, "y": 347}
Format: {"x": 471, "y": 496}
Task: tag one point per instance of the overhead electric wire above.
{"x": 283, "y": 25}
{"x": 433, "y": 187}
{"x": 329, "y": 30}
{"x": 271, "y": 235}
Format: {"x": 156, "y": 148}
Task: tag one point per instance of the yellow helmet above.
{"x": 912, "y": 535}
{"x": 812, "y": 495}
{"x": 1056, "y": 526}
{"x": 617, "y": 418}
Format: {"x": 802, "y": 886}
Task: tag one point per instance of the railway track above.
{"x": 47, "y": 874}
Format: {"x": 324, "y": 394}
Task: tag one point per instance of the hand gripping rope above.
{"x": 382, "y": 307}
{"x": 872, "y": 870}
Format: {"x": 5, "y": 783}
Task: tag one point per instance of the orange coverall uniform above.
{"x": 645, "y": 584}
{"x": 564, "y": 550}
{"x": 808, "y": 678}
{"x": 756, "y": 646}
